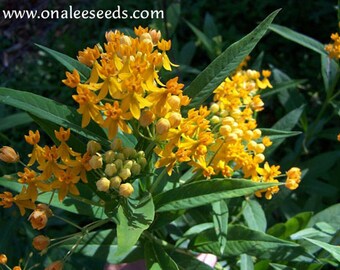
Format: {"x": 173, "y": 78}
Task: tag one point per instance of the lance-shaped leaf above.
{"x": 242, "y": 240}
{"x": 220, "y": 219}
{"x": 254, "y": 215}
{"x": 214, "y": 74}
{"x": 69, "y": 62}
{"x": 134, "y": 217}
{"x": 205, "y": 192}
{"x": 157, "y": 258}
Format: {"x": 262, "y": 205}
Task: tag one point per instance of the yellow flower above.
{"x": 65, "y": 182}
{"x": 89, "y": 56}
{"x": 268, "y": 173}
{"x": 116, "y": 117}
{"x": 88, "y": 106}
{"x": 3, "y": 259}
{"x": 333, "y": 49}
{"x": 73, "y": 79}
{"x": 293, "y": 178}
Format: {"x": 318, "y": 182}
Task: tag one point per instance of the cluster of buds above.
{"x": 118, "y": 166}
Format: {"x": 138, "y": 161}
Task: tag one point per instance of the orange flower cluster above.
{"x": 57, "y": 168}
{"x": 333, "y": 49}
{"x": 124, "y": 82}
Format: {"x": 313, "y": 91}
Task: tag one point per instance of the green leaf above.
{"x": 69, "y": 62}
{"x": 242, "y": 240}
{"x": 73, "y": 204}
{"x": 275, "y": 134}
{"x": 329, "y": 71}
{"x": 333, "y": 250}
{"x": 14, "y": 120}
{"x": 101, "y": 245}
{"x": 186, "y": 262}
{"x": 157, "y": 258}
{"x": 293, "y": 225}
{"x": 286, "y": 123}
{"x": 330, "y": 215}
{"x": 205, "y": 40}
{"x": 277, "y": 266}
{"x": 173, "y": 14}
{"x": 220, "y": 219}
{"x": 280, "y": 87}
{"x": 205, "y": 192}
{"x": 298, "y": 38}
{"x": 52, "y": 111}
{"x": 254, "y": 215}
{"x": 246, "y": 262}
{"x": 213, "y": 75}
{"x": 134, "y": 217}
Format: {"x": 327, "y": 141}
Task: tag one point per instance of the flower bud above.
{"x": 175, "y": 119}
{"x": 103, "y": 184}
{"x": 118, "y": 163}
{"x": 41, "y": 242}
{"x": 228, "y": 121}
{"x": 252, "y": 145}
{"x": 115, "y": 181}
{"x": 3, "y": 259}
{"x": 39, "y": 216}
{"x": 125, "y": 190}
{"x": 8, "y": 154}
{"x": 260, "y": 148}
{"x": 96, "y": 162}
{"x": 135, "y": 169}
{"x": 16, "y": 267}
{"x": 146, "y": 37}
{"x": 259, "y": 158}
{"x": 117, "y": 144}
{"x": 125, "y": 173}
{"x": 225, "y": 130}
{"x": 110, "y": 169}
{"x": 266, "y": 141}
{"x": 214, "y": 108}
{"x": 125, "y": 40}
{"x": 109, "y": 156}
{"x": 129, "y": 152}
{"x": 57, "y": 265}
{"x": 128, "y": 164}
{"x": 174, "y": 102}
{"x": 120, "y": 156}
{"x": 142, "y": 162}
{"x": 215, "y": 119}
{"x": 155, "y": 35}
{"x": 257, "y": 133}
{"x": 93, "y": 147}
{"x": 146, "y": 118}
{"x": 248, "y": 135}
{"x": 140, "y": 154}
{"x": 162, "y": 126}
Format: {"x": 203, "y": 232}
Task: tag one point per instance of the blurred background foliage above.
{"x": 200, "y": 30}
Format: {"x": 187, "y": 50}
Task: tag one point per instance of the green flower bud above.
{"x": 118, "y": 163}
{"x": 140, "y": 154}
{"x": 115, "y": 181}
{"x": 129, "y": 152}
{"x": 128, "y": 164}
{"x": 142, "y": 162}
{"x": 110, "y": 169}
{"x": 93, "y": 147}
{"x": 125, "y": 173}
{"x": 135, "y": 169}
{"x": 109, "y": 156}
{"x": 120, "y": 156}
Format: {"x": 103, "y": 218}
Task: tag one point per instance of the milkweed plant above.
{"x": 140, "y": 153}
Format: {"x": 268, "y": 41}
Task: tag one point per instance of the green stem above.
{"x": 69, "y": 222}
{"x": 50, "y": 201}
{"x": 86, "y": 201}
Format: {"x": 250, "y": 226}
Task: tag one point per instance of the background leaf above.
{"x": 254, "y": 215}
{"x": 220, "y": 219}
{"x": 213, "y": 75}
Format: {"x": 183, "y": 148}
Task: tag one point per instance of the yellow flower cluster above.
{"x": 124, "y": 82}
{"x": 333, "y": 49}
{"x": 224, "y": 139}
{"x": 57, "y": 168}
